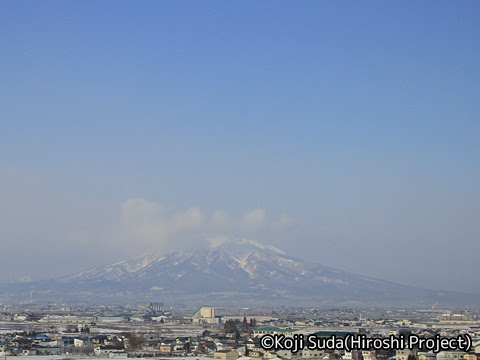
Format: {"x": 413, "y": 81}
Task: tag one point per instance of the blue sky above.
{"x": 357, "y": 123}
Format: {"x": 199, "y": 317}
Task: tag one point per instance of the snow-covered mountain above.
{"x": 241, "y": 272}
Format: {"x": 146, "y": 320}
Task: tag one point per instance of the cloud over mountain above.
{"x": 147, "y": 224}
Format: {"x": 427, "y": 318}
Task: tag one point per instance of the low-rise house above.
{"x": 6, "y": 317}
{"x": 108, "y": 349}
{"x": 406, "y": 354}
{"x": 285, "y": 354}
{"x": 287, "y": 331}
{"x": 66, "y": 341}
{"x": 41, "y": 338}
{"x": 20, "y": 343}
{"x": 118, "y": 355}
{"x": 241, "y": 349}
{"x": 99, "y": 339}
{"x": 369, "y": 354}
{"x": 50, "y": 343}
{"x": 256, "y": 355}
{"x": 50, "y": 350}
{"x": 253, "y": 343}
{"x": 427, "y": 356}
{"x": 450, "y": 355}
{"x": 313, "y": 354}
{"x": 81, "y": 342}
{"x": 244, "y": 358}
{"x": 476, "y": 346}
{"x": 167, "y": 348}
{"x": 470, "y": 356}
{"x": 226, "y": 355}
{"x": 179, "y": 347}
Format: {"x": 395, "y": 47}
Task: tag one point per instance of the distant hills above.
{"x": 233, "y": 273}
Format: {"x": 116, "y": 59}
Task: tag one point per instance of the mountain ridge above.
{"x": 234, "y": 272}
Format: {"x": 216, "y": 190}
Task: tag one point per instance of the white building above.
{"x": 205, "y": 315}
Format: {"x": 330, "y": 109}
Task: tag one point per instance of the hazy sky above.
{"x": 343, "y": 132}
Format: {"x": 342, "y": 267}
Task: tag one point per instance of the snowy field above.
{"x": 168, "y": 330}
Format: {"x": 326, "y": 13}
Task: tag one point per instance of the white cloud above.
{"x": 284, "y": 222}
{"x": 191, "y": 219}
{"x": 254, "y": 220}
{"x": 220, "y": 220}
{"x": 148, "y": 225}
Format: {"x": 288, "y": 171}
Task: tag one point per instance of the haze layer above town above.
{"x": 343, "y": 133}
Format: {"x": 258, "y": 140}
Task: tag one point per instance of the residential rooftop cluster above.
{"x": 155, "y": 330}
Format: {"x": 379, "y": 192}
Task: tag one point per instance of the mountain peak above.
{"x": 243, "y": 242}
{"x": 230, "y": 272}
